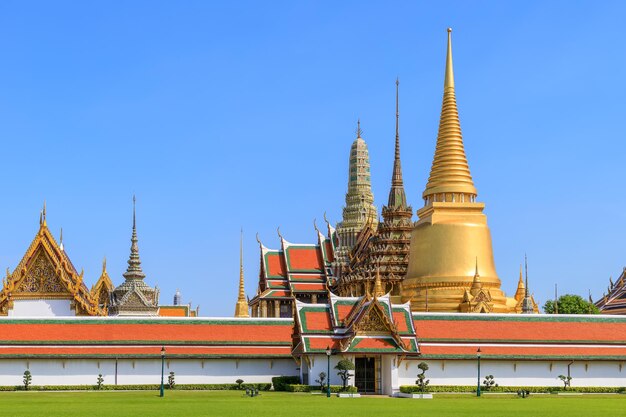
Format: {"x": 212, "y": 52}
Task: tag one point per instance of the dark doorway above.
{"x": 365, "y": 375}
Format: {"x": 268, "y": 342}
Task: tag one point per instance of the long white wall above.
{"x": 143, "y": 371}
{"x": 516, "y": 373}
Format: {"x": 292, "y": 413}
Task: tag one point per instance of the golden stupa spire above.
{"x": 241, "y": 308}
{"x": 450, "y": 178}
{"x": 476, "y": 284}
{"x": 521, "y": 288}
{"x": 378, "y": 285}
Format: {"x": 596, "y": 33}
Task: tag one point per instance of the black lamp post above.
{"x": 478, "y": 384}
{"x": 162, "y": 369}
{"x": 328, "y": 353}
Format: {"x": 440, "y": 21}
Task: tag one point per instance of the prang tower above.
{"x": 451, "y": 253}
{"x": 359, "y": 211}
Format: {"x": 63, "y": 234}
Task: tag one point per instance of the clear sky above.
{"x": 229, "y": 115}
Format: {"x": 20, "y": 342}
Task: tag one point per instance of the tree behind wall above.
{"x": 571, "y": 304}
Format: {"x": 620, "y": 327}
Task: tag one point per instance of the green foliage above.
{"x": 413, "y": 389}
{"x": 422, "y": 382}
{"x": 171, "y": 380}
{"x": 28, "y": 378}
{"x": 239, "y": 382}
{"x": 571, "y": 304}
{"x": 566, "y": 380}
{"x": 279, "y": 382}
{"x": 99, "y": 381}
{"x": 489, "y": 383}
{"x": 310, "y": 388}
{"x": 321, "y": 380}
{"x": 344, "y": 367}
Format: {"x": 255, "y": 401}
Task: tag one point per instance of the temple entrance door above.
{"x": 365, "y": 375}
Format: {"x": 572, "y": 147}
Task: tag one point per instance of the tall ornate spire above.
{"x": 241, "y": 308}
{"x": 397, "y": 197}
{"x": 527, "y": 303}
{"x": 450, "y": 178}
{"x": 134, "y": 271}
{"x": 359, "y": 211}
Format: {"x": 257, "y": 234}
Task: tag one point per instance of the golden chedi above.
{"x": 451, "y": 251}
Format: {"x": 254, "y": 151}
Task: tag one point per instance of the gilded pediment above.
{"x": 41, "y": 278}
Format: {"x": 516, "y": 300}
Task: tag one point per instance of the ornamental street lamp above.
{"x": 478, "y": 384}
{"x": 162, "y": 369}
{"x": 328, "y": 353}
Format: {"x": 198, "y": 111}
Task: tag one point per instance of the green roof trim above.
{"x": 141, "y": 342}
{"x": 303, "y": 322}
{"x": 524, "y": 341}
{"x": 142, "y": 356}
{"x": 187, "y": 321}
{"x": 265, "y": 263}
{"x": 527, "y": 357}
{"x": 552, "y": 318}
{"x": 289, "y": 267}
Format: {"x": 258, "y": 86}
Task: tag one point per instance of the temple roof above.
{"x": 110, "y": 337}
{"x": 46, "y": 270}
{"x": 614, "y": 301}
{"x": 512, "y": 336}
{"x": 295, "y": 268}
{"x": 354, "y": 324}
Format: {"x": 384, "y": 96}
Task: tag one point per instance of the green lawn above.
{"x": 233, "y": 403}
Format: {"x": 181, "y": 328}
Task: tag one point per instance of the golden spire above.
{"x": 476, "y": 284}
{"x": 61, "y": 241}
{"x": 521, "y": 289}
{"x": 104, "y": 265}
{"x": 378, "y": 285}
{"x": 241, "y": 308}
{"x": 450, "y": 172}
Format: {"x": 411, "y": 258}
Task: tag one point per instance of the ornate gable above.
{"x": 46, "y": 272}
{"x": 40, "y": 279}
{"x": 373, "y": 321}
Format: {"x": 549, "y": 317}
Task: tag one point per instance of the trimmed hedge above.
{"x": 311, "y": 388}
{"x": 280, "y": 382}
{"x": 182, "y": 387}
{"x": 410, "y": 389}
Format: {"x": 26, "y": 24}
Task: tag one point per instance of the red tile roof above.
{"x": 101, "y": 336}
{"x": 521, "y": 336}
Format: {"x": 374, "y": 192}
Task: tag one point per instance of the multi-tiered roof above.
{"x": 354, "y": 325}
{"x": 297, "y": 270}
{"x": 387, "y": 250}
{"x": 614, "y": 300}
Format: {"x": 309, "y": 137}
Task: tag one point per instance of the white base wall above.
{"x": 143, "y": 371}
{"x": 517, "y": 373}
{"x": 41, "y": 308}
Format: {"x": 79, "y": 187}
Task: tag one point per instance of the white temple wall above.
{"x": 319, "y": 363}
{"x": 41, "y": 308}
{"x": 143, "y": 371}
{"x": 516, "y": 373}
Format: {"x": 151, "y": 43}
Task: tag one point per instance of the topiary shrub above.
{"x": 422, "y": 382}
{"x": 99, "y": 381}
{"x": 280, "y": 382}
{"x": 28, "y": 378}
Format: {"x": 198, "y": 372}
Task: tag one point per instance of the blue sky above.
{"x": 230, "y": 115}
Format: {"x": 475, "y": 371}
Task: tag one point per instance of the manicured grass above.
{"x": 234, "y": 403}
